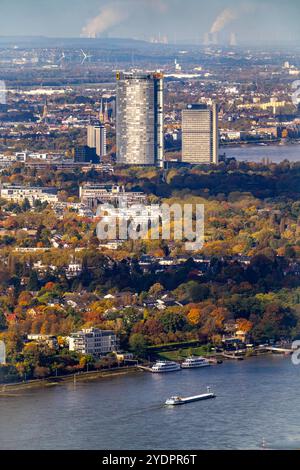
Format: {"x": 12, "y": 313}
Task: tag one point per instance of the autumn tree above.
{"x": 244, "y": 325}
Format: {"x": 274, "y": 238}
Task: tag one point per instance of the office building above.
{"x": 93, "y": 341}
{"x": 94, "y": 194}
{"x": 85, "y": 154}
{"x": 140, "y": 133}
{"x": 200, "y": 135}
{"x": 100, "y": 132}
{"x": 96, "y": 139}
{"x": 91, "y": 137}
{"x": 19, "y": 194}
{"x": 141, "y": 218}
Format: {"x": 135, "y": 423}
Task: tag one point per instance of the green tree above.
{"x": 25, "y": 205}
{"x": 138, "y": 344}
{"x": 3, "y": 323}
{"x": 33, "y": 282}
{"x": 172, "y": 321}
{"x": 14, "y": 342}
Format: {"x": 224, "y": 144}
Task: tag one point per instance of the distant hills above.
{"x": 25, "y": 42}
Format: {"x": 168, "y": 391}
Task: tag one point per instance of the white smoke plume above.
{"x": 115, "y": 13}
{"x": 109, "y": 16}
{"x": 230, "y": 14}
{"x": 223, "y": 19}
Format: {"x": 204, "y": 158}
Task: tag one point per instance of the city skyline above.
{"x": 252, "y": 21}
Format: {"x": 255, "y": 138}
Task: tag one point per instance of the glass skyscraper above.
{"x": 140, "y": 132}
{"x": 200, "y": 135}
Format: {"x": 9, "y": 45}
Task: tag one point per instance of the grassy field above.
{"x": 180, "y": 354}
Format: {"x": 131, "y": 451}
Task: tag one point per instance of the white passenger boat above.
{"x": 165, "y": 366}
{"x": 195, "y": 362}
{"x": 176, "y": 400}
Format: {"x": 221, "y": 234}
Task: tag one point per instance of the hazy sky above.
{"x": 264, "y": 20}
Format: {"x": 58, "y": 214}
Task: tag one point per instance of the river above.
{"x": 256, "y": 153}
{"x": 257, "y": 400}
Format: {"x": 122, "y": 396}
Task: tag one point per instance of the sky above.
{"x": 180, "y": 20}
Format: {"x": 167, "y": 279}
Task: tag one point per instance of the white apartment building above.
{"x": 49, "y": 340}
{"x": 141, "y": 218}
{"x": 93, "y": 341}
{"x": 20, "y": 193}
{"x": 94, "y": 194}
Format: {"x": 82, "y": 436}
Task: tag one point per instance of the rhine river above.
{"x": 256, "y": 153}
{"x": 257, "y": 400}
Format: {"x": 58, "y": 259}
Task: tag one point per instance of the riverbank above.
{"x": 260, "y": 143}
{"x": 7, "y": 390}
{"x": 10, "y": 390}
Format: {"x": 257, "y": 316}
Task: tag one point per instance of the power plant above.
{"x": 232, "y": 40}
{"x": 211, "y": 39}
{"x": 223, "y": 20}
